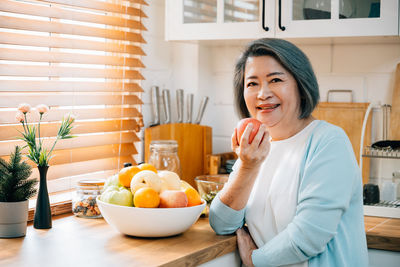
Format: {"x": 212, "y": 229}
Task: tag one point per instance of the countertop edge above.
{"x": 205, "y": 255}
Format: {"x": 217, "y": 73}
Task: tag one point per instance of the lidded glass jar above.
{"x": 84, "y": 200}
{"x": 164, "y": 155}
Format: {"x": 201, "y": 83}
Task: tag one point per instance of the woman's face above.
{"x": 271, "y": 94}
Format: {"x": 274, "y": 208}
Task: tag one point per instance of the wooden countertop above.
{"x": 77, "y": 241}
{"x": 92, "y": 242}
{"x": 382, "y": 233}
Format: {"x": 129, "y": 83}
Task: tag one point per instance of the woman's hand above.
{"x": 251, "y": 155}
{"x": 246, "y": 245}
{"x": 236, "y": 191}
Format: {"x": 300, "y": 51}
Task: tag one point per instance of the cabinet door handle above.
{"x": 263, "y": 17}
{"x": 280, "y": 17}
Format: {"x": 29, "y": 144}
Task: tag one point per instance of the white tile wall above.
{"x": 319, "y": 56}
{"x": 365, "y": 58}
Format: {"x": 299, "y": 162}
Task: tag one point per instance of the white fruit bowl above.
{"x": 146, "y": 222}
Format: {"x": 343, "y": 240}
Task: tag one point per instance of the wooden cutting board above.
{"x": 194, "y": 144}
{"x": 395, "y": 114}
{"x": 349, "y": 117}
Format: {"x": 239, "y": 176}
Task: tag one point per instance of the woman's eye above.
{"x": 275, "y": 80}
{"x": 250, "y": 84}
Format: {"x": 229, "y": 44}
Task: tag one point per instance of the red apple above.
{"x": 173, "y": 199}
{"x": 242, "y": 126}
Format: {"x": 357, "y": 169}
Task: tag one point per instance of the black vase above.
{"x": 42, "y": 218}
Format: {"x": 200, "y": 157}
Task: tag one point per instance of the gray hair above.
{"x": 292, "y": 59}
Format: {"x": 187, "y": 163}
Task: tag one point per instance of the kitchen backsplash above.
{"x": 366, "y": 68}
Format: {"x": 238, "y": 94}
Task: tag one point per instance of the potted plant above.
{"x": 15, "y": 191}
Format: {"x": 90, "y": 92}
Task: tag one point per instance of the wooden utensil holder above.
{"x": 194, "y": 144}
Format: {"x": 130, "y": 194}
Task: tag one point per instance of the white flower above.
{"x": 24, "y": 108}
{"x": 19, "y": 117}
{"x": 42, "y": 108}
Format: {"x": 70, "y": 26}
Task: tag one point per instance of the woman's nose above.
{"x": 264, "y": 92}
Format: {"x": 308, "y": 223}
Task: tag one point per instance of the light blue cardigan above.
{"x": 328, "y": 228}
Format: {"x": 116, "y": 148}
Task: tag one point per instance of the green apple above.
{"x": 118, "y": 196}
{"x": 111, "y": 181}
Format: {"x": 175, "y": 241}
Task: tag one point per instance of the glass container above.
{"x": 84, "y": 200}
{"x": 164, "y": 155}
{"x": 208, "y": 186}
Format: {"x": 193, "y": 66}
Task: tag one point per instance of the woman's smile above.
{"x": 267, "y": 108}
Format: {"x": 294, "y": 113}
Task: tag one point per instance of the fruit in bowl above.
{"x": 117, "y": 195}
{"x": 173, "y": 199}
{"x": 157, "y": 203}
{"x": 150, "y": 222}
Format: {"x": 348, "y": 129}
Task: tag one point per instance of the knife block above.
{"x": 194, "y": 144}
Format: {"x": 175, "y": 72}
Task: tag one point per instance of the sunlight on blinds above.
{"x": 76, "y": 56}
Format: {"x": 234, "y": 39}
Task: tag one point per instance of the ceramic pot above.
{"x": 42, "y": 218}
{"x": 13, "y": 219}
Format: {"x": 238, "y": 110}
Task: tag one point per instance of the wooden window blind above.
{"x": 76, "y": 56}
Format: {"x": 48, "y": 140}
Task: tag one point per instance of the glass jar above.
{"x": 164, "y": 155}
{"x": 84, "y": 200}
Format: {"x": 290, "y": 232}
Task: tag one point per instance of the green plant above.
{"x": 37, "y": 153}
{"x": 14, "y": 183}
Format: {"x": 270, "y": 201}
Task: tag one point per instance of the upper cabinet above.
{"x": 250, "y": 19}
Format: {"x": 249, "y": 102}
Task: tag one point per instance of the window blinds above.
{"x": 80, "y": 57}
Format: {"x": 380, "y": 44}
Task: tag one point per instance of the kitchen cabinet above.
{"x": 250, "y": 19}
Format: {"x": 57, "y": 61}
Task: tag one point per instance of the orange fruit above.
{"x": 146, "y": 197}
{"x": 193, "y": 196}
{"x": 147, "y": 166}
{"x": 126, "y": 174}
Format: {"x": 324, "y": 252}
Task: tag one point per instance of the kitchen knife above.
{"x": 155, "y": 106}
{"x": 202, "y": 107}
{"x": 167, "y": 105}
{"x": 179, "y": 102}
{"x": 189, "y": 106}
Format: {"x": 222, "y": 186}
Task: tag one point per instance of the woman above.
{"x": 297, "y": 186}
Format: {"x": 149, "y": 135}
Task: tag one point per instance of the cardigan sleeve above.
{"x": 223, "y": 219}
{"x": 328, "y": 177}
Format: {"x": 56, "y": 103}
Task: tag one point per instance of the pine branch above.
{"x": 14, "y": 183}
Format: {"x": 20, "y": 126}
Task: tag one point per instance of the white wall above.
{"x": 366, "y": 68}
{"x": 168, "y": 65}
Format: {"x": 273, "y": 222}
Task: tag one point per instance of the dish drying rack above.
{"x": 389, "y": 209}
{"x": 385, "y": 153}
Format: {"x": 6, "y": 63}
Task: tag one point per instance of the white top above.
{"x": 275, "y": 189}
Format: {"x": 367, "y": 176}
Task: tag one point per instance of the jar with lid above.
{"x": 84, "y": 200}
{"x": 164, "y": 155}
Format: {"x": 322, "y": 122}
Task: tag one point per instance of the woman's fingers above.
{"x": 246, "y": 246}
{"x": 244, "y": 139}
{"x": 259, "y": 136}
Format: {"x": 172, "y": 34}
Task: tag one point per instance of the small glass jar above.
{"x": 84, "y": 200}
{"x": 164, "y": 155}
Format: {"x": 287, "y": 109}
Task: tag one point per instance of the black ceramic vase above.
{"x": 42, "y": 218}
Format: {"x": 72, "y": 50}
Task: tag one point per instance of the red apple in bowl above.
{"x": 173, "y": 199}
{"x": 242, "y": 126}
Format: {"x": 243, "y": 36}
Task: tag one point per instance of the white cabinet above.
{"x": 217, "y": 19}
{"x": 250, "y": 19}
{"x": 334, "y": 18}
